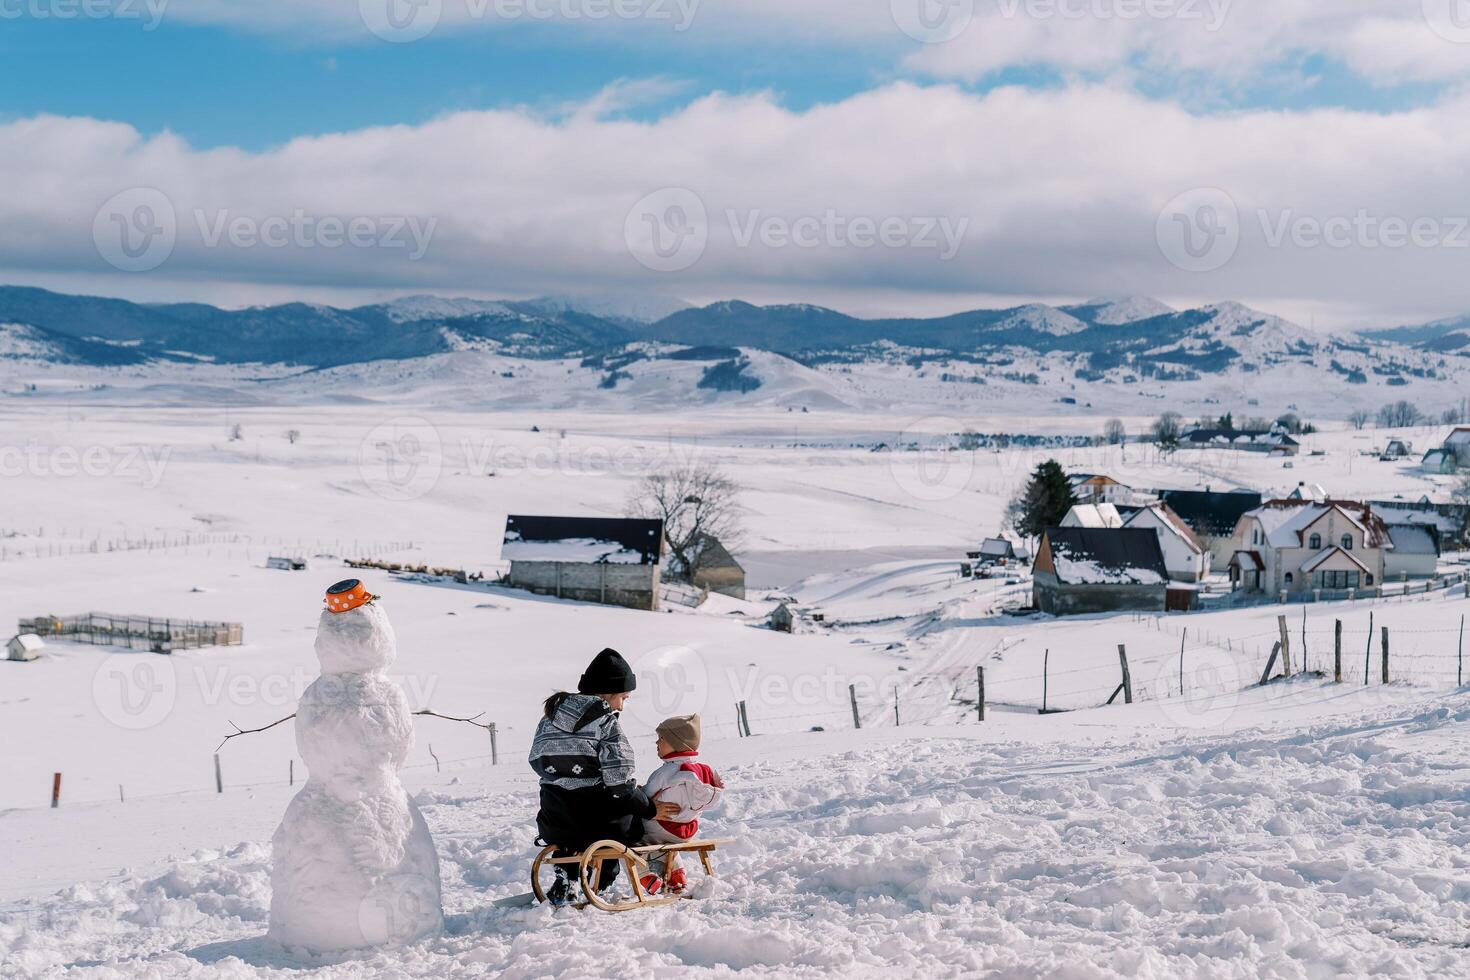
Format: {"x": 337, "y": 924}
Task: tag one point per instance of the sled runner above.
{"x": 635, "y": 861}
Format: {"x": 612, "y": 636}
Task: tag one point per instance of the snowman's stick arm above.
{"x": 475, "y": 720}
{"x": 251, "y": 731}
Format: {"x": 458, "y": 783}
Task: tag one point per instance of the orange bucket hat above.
{"x": 348, "y": 594}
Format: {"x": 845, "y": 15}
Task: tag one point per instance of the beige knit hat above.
{"x": 681, "y": 732}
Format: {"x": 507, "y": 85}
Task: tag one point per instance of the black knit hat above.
{"x": 608, "y": 673}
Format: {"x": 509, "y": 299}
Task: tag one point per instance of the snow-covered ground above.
{"x": 1210, "y": 829}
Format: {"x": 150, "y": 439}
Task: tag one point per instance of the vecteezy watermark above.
{"x": 135, "y": 691}
{"x": 400, "y": 21}
{"x": 1363, "y": 229}
{"x": 831, "y": 230}
{"x": 138, "y": 229}
{"x": 1212, "y": 14}
{"x": 401, "y": 459}
{"x": 1450, "y": 19}
{"x": 932, "y": 21}
{"x": 143, "y": 464}
{"x": 302, "y": 230}
{"x": 135, "y": 230}
{"x": 927, "y": 462}
{"x": 672, "y": 680}
{"x": 150, "y": 12}
{"x": 668, "y": 230}
{"x": 1199, "y": 231}
{"x": 1211, "y": 682}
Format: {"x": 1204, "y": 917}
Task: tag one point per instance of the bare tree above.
{"x": 1165, "y": 431}
{"x": 236, "y": 433}
{"x": 292, "y": 435}
{"x": 1114, "y": 432}
{"x": 693, "y": 501}
{"x": 1461, "y": 490}
{"x": 1398, "y": 415}
{"x": 1360, "y": 419}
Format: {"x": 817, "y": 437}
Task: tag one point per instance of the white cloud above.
{"x": 1061, "y": 192}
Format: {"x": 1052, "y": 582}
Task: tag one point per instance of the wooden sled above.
{"x": 635, "y": 862}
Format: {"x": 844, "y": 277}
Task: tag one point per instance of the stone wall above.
{"x": 634, "y": 586}
{"x": 1079, "y": 600}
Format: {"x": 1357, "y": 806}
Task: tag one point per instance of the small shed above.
{"x": 715, "y": 568}
{"x": 612, "y": 560}
{"x": 24, "y": 646}
{"x": 286, "y": 564}
{"x": 1398, "y": 449}
{"x": 994, "y": 551}
{"x": 1440, "y": 461}
{"x": 782, "y": 619}
{"x": 1081, "y": 570}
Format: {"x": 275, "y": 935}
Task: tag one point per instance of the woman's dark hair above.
{"x": 554, "y": 702}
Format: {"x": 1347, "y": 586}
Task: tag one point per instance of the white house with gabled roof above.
{"x": 1185, "y": 556}
{"x": 1304, "y": 545}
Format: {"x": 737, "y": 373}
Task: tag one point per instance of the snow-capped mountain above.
{"x": 1450, "y": 335}
{"x": 619, "y": 307}
{"x": 1125, "y": 309}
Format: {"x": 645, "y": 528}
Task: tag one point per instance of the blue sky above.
{"x": 219, "y": 85}
{"x": 1059, "y": 144}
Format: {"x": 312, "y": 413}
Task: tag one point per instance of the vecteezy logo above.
{"x": 1450, "y": 19}
{"x": 1212, "y": 681}
{"x": 667, "y": 231}
{"x": 400, "y": 21}
{"x": 927, "y": 463}
{"x": 135, "y": 690}
{"x": 672, "y": 680}
{"x": 401, "y": 459}
{"x": 1199, "y": 231}
{"x": 932, "y": 21}
{"x": 135, "y": 230}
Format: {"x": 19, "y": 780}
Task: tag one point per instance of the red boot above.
{"x": 678, "y": 881}
{"x": 652, "y": 883}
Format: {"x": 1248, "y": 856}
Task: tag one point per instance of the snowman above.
{"x": 353, "y": 865}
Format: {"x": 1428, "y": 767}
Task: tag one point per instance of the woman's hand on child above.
{"x": 666, "y": 811}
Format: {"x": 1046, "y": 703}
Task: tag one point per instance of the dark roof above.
{"x": 644, "y": 537}
{"x": 1413, "y": 539}
{"x": 1211, "y": 513}
{"x": 1118, "y": 550}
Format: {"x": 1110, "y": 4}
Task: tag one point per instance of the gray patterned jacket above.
{"x": 582, "y": 746}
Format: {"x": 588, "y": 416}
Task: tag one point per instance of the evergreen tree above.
{"x": 1046, "y": 499}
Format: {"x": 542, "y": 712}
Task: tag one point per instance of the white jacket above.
{"x": 684, "y": 780}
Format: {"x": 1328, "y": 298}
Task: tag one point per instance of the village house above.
{"x": 1458, "y": 443}
{"x": 1093, "y": 516}
{"x": 1095, "y": 488}
{"x": 1440, "y": 461}
{"x": 1212, "y": 515}
{"x": 1449, "y": 519}
{"x": 1095, "y": 570}
{"x": 1398, "y": 449}
{"x": 1276, "y": 441}
{"x": 1296, "y": 546}
{"x": 994, "y": 551}
{"x": 612, "y": 560}
{"x": 1415, "y": 552}
{"x": 715, "y": 569}
{"x": 1185, "y": 556}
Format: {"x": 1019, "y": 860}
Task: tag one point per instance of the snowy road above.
{"x": 1337, "y": 847}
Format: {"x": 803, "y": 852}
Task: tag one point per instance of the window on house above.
{"x": 1337, "y": 580}
{"x": 1315, "y": 542}
{"x": 1370, "y": 578}
{"x": 1290, "y": 578}
{"x": 1347, "y": 542}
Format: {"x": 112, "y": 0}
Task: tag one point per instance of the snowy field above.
{"x": 1211, "y": 829}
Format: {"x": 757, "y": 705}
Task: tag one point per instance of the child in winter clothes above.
{"x": 682, "y": 780}
{"x": 585, "y": 762}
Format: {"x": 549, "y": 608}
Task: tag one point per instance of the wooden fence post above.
{"x": 219, "y": 781}
{"x": 896, "y": 722}
{"x": 291, "y": 773}
{"x": 1385, "y": 654}
{"x": 1460, "y": 657}
{"x": 1182, "y": 638}
{"x": 980, "y": 697}
{"x": 55, "y": 790}
{"x": 745, "y": 717}
{"x": 739, "y": 724}
{"x": 1285, "y": 645}
{"x": 120, "y": 797}
{"x": 494, "y": 748}
{"x": 1337, "y": 653}
{"x": 857, "y": 721}
{"x": 1127, "y": 677}
{"x": 1271, "y": 662}
{"x": 1368, "y": 653}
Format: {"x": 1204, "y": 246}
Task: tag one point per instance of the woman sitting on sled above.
{"x": 588, "y": 791}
